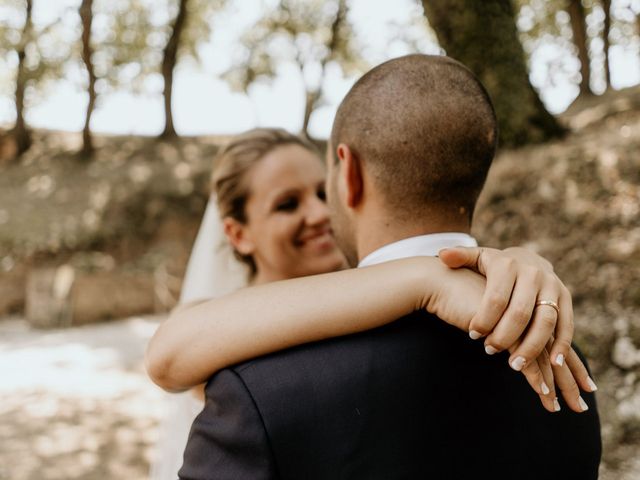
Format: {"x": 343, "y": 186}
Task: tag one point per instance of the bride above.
{"x": 268, "y": 204}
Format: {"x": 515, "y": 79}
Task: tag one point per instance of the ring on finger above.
{"x": 549, "y": 303}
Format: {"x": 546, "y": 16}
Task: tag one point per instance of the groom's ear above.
{"x": 351, "y": 175}
{"x": 238, "y": 236}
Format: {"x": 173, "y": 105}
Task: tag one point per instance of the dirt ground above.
{"x": 75, "y": 403}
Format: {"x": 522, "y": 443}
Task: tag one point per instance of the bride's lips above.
{"x": 321, "y": 239}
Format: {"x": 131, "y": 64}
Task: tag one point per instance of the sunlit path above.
{"x": 76, "y": 403}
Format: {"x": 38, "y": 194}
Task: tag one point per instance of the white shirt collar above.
{"x": 420, "y": 246}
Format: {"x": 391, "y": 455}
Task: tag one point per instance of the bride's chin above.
{"x": 334, "y": 262}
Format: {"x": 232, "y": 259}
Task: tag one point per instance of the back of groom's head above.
{"x": 425, "y": 129}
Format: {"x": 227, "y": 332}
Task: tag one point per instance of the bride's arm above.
{"x": 199, "y": 339}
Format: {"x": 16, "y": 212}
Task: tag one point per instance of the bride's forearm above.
{"x": 199, "y": 340}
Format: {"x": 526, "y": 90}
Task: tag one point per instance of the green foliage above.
{"x": 46, "y": 50}
{"x": 125, "y": 42}
{"x": 198, "y": 29}
{"x": 310, "y": 34}
{"x": 547, "y": 21}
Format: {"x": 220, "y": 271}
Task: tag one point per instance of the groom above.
{"x": 410, "y": 149}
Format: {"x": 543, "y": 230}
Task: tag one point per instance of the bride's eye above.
{"x": 322, "y": 194}
{"x": 287, "y": 205}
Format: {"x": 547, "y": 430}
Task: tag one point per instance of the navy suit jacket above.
{"x": 413, "y": 399}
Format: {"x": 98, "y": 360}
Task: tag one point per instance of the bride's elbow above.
{"x": 158, "y": 367}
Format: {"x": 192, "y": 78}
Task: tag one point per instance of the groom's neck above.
{"x": 376, "y": 233}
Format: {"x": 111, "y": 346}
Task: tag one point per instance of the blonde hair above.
{"x": 232, "y": 165}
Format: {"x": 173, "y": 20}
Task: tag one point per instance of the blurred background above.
{"x": 111, "y": 113}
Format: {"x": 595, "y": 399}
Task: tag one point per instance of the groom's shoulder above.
{"x": 419, "y": 334}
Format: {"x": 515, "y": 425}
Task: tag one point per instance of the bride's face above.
{"x": 287, "y": 231}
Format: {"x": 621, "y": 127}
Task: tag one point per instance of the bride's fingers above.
{"x": 548, "y": 399}
{"x": 580, "y": 372}
{"x": 540, "y": 378}
{"x": 458, "y": 257}
{"x": 501, "y": 281}
{"x": 564, "y": 328}
{"x": 540, "y": 330}
{"x": 501, "y": 273}
{"x": 569, "y": 388}
{"x": 517, "y": 316}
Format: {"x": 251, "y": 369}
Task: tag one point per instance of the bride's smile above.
{"x": 287, "y": 229}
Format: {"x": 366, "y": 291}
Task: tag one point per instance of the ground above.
{"x": 74, "y": 401}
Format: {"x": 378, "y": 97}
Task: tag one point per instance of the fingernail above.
{"x": 592, "y": 384}
{"x": 583, "y": 404}
{"x": 518, "y": 363}
{"x": 545, "y": 388}
{"x": 474, "y": 334}
{"x": 560, "y": 359}
{"x": 490, "y": 350}
{"x": 556, "y": 404}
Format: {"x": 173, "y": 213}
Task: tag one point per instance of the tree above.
{"x": 483, "y": 36}
{"x": 33, "y": 56}
{"x": 606, "y": 30}
{"x": 20, "y": 133}
{"x": 169, "y": 59}
{"x": 310, "y": 35}
{"x": 86, "y": 16}
{"x": 579, "y": 30}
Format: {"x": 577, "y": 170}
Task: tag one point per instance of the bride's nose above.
{"x": 317, "y": 212}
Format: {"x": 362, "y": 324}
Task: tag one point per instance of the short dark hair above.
{"x": 425, "y": 128}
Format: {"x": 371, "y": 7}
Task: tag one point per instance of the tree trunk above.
{"x": 638, "y": 24}
{"x": 20, "y": 132}
{"x": 168, "y": 64}
{"x": 579, "y": 30}
{"x": 86, "y": 16}
{"x": 606, "y": 6}
{"x": 483, "y": 36}
{"x": 313, "y": 96}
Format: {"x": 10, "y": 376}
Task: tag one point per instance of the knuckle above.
{"x": 563, "y": 344}
{"x": 497, "y": 302}
{"x": 548, "y": 318}
{"x": 548, "y": 278}
{"x": 532, "y": 373}
{"x": 521, "y": 314}
{"x": 547, "y": 264}
{"x": 509, "y": 264}
{"x": 530, "y": 352}
{"x": 537, "y": 275}
{"x": 570, "y": 391}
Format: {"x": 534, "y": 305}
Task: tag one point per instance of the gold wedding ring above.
{"x": 550, "y": 303}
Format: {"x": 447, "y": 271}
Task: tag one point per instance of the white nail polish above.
{"x": 583, "y": 404}
{"x": 490, "y": 350}
{"x": 560, "y": 359}
{"x": 518, "y": 363}
{"x": 544, "y": 388}
{"x": 474, "y": 334}
{"x": 556, "y": 404}
{"x": 592, "y": 384}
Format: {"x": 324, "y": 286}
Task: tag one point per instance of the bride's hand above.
{"x": 510, "y": 319}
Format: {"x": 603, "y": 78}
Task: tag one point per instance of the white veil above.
{"x": 212, "y": 271}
